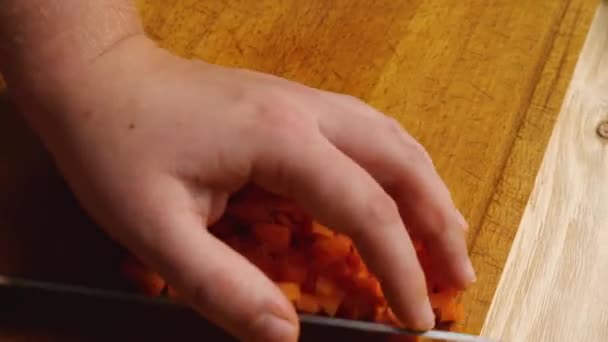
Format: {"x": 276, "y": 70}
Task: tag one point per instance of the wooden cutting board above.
{"x": 553, "y": 287}
{"x": 479, "y": 83}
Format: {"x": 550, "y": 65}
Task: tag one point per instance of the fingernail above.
{"x": 271, "y": 328}
{"x": 461, "y": 220}
{"x": 470, "y": 271}
{"x": 427, "y": 317}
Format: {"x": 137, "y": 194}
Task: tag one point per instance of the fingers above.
{"x": 404, "y": 169}
{"x": 344, "y": 196}
{"x": 219, "y": 283}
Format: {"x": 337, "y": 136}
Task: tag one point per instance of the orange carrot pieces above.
{"x": 321, "y": 230}
{"x": 452, "y": 313}
{"x": 275, "y": 236}
{"x": 329, "y": 295}
{"x": 308, "y": 303}
{"x": 325, "y": 287}
{"x": 293, "y": 267}
{"x": 320, "y": 271}
{"x": 330, "y": 304}
{"x": 327, "y": 251}
{"x": 291, "y": 291}
{"x": 293, "y": 273}
{"x": 147, "y": 281}
{"x": 443, "y": 298}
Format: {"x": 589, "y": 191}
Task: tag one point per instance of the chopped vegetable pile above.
{"x": 318, "y": 270}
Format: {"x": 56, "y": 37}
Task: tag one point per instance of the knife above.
{"x": 52, "y": 287}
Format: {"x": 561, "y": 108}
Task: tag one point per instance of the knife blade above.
{"x": 53, "y": 287}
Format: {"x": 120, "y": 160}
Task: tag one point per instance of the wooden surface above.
{"x": 554, "y": 283}
{"x": 478, "y": 83}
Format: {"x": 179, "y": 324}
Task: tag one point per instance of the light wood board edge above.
{"x": 553, "y": 287}
{"x": 491, "y": 247}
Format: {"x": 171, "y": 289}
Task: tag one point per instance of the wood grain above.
{"x": 495, "y": 233}
{"x": 554, "y": 283}
{"x": 478, "y": 83}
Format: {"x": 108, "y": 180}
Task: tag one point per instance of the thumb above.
{"x": 216, "y": 281}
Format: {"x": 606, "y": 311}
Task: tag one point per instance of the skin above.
{"x": 153, "y": 145}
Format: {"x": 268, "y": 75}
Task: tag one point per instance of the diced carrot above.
{"x": 327, "y": 251}
{"x": 308, "y": 303}
{"x": 351, "y": 308}
{"x": 293, "y": 267}
{"x": 284, "y": 220}
{"x": 330, "y": 304}
{"x": 442, "y": 299}
{"x": 367, "y": 282}
{"x": 452, "y": 313}
{"x": 294, "y": 273}
{"x": 320, "y": 229}
{"x": 275, "y": 236}
{"x": 355, "y": 262}
{"x": 380, "y": 315}
{"x": 338, "y": 246}
{"x": 329, "y": 294}
{"x": 291, "y": 291}
{"x": 262, "y": 260}
{"x": 342, "y": 244}
{"x": 309, "y": 285}
{"x": 318, "y": 270}
{"x": 147, "y": 281}
{"x": 325, "y": 287}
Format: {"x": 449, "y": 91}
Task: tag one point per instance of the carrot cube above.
{"x": 290, "y": 290}
{"x": 294, "y": 273}
{"x": 275, "y": 236}
{"x": 321, "y": 230}
{"x": 308, "y": 303}
{"x": 327, "y": 251}
{"x": 325, "y": 287}
{"x": 452, "y": 312}
{"x": 442, "y": 299}
{"x": 330, "y": 304}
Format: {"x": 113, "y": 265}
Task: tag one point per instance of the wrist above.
{"x": 49, "y": 42}
{"x": 65, "y": 102}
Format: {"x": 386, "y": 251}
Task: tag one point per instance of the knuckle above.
{"x": 436, "y": 223}
{"x": 282, "y": 124}
{"x": 356, "y": 101}
{"x": 380, "y": 211}
{"x": 393, "y": 125}
{"x": 273, "y": 115}
{"x": 417, "y": 152}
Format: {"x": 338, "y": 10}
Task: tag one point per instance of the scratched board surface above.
{"x": 478, "y": 83}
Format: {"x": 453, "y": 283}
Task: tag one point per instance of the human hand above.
{"x": 153, "y": 145}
